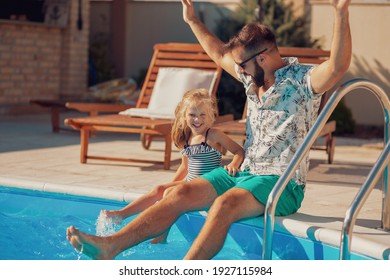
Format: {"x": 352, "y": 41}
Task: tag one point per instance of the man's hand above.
{"x": 340, "y": 5}
{"x": 188, "y": 10}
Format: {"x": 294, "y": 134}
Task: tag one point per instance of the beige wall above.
{"x": 299, "y": 6}
{"x": 132, "y": 47}
{"x": 135, "y": 26}
{"x": 165, "y": 24}
{"x": 370, "y": 24}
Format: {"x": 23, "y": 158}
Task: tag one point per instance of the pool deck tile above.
{"x": 32, "y": 156}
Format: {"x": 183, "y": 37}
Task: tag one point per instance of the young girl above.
{"x": 201, "y": 148}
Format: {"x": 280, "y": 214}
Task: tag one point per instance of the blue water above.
{"x": 33, "y": 227}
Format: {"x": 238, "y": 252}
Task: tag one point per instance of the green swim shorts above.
{"x": 260, "y": 187}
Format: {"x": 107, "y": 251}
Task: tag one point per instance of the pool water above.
{"x": 33, "y": 227}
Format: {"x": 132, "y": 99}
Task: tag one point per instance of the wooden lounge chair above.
{"x": 188, "y": 62}
{"x": 236, "y": 128}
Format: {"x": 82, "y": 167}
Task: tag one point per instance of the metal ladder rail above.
{"x": 359, "y": 200}
{"x": 269, "y": 213}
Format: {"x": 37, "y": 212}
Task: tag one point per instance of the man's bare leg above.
{"x": 232, "y": 206}
{"x": 194, "y": 195}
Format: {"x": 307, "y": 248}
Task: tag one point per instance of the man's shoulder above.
{"x": 293, "y": 69}
{"x": 293, "y": 64}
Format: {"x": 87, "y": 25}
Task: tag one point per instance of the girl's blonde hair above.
{"x": 195, "y": 97}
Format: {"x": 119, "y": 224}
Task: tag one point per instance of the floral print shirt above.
{"x": 278, "y": 122}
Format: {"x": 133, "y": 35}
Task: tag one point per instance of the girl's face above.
{"x": 198, "y": 118}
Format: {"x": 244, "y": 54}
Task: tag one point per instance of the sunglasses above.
{"x": 242, "y": 64}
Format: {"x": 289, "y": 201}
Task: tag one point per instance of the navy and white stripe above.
{"x": 202, "y": 158}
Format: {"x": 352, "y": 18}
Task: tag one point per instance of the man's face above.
{"x": 248, "y": 64}
{"x": 258, "y": 76}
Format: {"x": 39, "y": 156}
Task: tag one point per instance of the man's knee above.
{"x": 226, "y": 204}
{"x": 237, "y": 204}
{"x": 180, "y": 191}
{"x": 196, "y": 193}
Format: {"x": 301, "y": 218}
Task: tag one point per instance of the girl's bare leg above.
{"x": 162, "y": 238}
{"x": 140, "y": 203}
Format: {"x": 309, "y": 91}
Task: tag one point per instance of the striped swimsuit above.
{"x": 202, "y": 158}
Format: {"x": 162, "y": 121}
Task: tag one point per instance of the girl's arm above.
{"x": 181, "y": 172}
{"x": 217, "y": 136}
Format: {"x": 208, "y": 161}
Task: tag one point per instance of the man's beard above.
{"x": 258, "y": 77}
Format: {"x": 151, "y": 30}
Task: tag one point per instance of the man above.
{"x": 283, "y": 98}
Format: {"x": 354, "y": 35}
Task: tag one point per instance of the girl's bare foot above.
{"x": 114, "y": 215}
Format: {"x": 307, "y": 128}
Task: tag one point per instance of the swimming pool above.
{"x": 33, "y": 225}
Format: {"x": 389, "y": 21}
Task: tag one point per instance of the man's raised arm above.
{"x": 326, "y": 75}
{"x": 213, "y": 46}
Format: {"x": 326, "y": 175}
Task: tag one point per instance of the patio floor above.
{"x": 31, "y": 154}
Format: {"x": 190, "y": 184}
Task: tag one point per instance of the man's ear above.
{"x": 261, "y": 59}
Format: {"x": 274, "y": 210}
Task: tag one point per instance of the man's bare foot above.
{"x": 93, "y": 246}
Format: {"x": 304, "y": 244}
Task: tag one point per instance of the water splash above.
{"x": 80, "y": 253}
{"x": 107, "y": 225}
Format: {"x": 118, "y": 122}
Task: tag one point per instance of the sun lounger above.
{"x": 174, "y": 69}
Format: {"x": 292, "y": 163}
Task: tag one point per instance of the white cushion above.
{"x": 170, "y": 86}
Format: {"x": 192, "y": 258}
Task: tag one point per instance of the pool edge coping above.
{"x": 89, "y": 191}
{"x": 287, "y": 224}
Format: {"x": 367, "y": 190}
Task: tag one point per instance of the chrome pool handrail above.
{"x": 357, "y": 203}
{"x": 269, "y": 213}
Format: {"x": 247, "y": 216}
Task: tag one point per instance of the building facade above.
{"x": 40, "y": 60}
